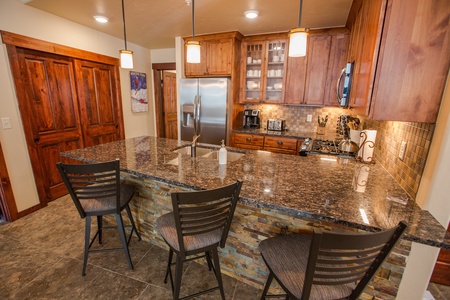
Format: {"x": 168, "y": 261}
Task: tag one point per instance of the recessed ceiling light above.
{"x": 251, "y": 14}
{"x": 101, "y": 19}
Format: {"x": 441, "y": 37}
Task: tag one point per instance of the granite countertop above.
{"x": 337, "y": 190}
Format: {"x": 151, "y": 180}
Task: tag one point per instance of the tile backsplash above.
{"x": 390, "y": 134}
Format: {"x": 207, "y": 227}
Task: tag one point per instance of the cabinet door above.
{"x": 316, "y": 73}
{"x": 219, "y": 56}
{"x": 252, "y": 58}
{"x": 338, "y": 60}
{"x": 199, "y": 69}
{"x": 295, "y": 80}
{"x": 276, "y": 54}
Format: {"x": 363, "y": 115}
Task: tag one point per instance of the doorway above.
{"x": 165, "y": 90}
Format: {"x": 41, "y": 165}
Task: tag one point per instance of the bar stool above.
{"x": 96, "y": 190}
{"x": 198, "y": 225}
{"x": 326, "y": 265}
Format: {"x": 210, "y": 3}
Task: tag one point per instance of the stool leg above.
{"x": 267, "y": 286}
{"x": 208, "y": 260}
{"x": 123, "y": 238}
{"x": 87, "y": 239}
{"x": 130, "y": 216}
{"x": 178, "y": 274}
{"x": 217, "y": 272}
{"x": 168, "y": 271}
{"x": 100, "y": 228}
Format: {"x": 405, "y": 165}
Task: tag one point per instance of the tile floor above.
{"x": 41, "y": 258}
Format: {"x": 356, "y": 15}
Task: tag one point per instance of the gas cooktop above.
{"x": 319, "y": 146}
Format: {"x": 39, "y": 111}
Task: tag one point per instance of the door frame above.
{"x": 7, "y": 201}
{"x": 158, "y": 68}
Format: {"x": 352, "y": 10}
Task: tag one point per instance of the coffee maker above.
{"x": 251, "y": 118}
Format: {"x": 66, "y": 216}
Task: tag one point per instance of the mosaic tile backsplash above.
{"x": 407, "y": 172}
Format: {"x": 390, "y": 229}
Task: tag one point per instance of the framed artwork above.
{"x": 139, "y": 101}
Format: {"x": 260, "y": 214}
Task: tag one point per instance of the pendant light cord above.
{"x": 124, "y": 28}
{"x": 193, "y": 19}
{"x": 300, "y": 14}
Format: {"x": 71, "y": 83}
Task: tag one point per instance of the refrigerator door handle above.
{"x": 199, "y": 102}
{"x": 195, "y": 115}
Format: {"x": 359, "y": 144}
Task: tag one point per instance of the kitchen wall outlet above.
{"x": 309, "y": 118}
{"x": 401, "y": 153}
{"x": 6, "y": 123}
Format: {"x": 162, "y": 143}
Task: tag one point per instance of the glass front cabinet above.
{"x": 263, "y": 70}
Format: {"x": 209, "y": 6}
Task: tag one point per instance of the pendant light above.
{"x": 298, "y": 38}
{"x": 126, "y": 56}
{"x": 192, "y": 47}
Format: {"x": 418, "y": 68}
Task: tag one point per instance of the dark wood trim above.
{"x": 7, "y": 201}
{"x": 354, "y": 9}
{"x": 22, "y": 41}
{"x": 158, "y": 95}
{"x": 28, "y": 211}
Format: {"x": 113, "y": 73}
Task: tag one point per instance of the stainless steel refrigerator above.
{"x": 204, "y": 108}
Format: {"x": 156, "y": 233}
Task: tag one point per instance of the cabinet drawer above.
{"x": 249, "y": 139}
{"x": 280, "y": 143}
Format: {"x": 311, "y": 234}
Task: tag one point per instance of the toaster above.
{"x": 276, "y": 124}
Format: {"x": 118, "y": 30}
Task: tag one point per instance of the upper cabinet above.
{"x": 218, "y": 53}
{"x": 311, "y": 80}
{"x": 263, "y": 68}
{"x": 400, "y": 49}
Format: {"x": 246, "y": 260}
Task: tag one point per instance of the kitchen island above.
{"x": 280, "y": 194}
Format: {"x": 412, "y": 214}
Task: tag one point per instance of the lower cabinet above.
{"x": 268, "y": 143}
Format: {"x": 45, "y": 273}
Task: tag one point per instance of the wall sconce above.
{"x": 193, "y": 47}
{"x": 126, "y": 56}
{"x": 298, "y": 38}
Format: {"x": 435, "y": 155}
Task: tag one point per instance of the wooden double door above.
{"x": 65, "y": 103}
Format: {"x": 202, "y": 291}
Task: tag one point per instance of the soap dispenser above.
{"x": 223, "y": 154}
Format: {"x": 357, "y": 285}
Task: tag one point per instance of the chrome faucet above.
{"x": 194, "y": 145}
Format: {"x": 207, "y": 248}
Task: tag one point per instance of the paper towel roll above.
{"x": 355, "y": 136}
{"x": 367, "y": 144}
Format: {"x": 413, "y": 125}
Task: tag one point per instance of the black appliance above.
{"x": 252, "y": 118}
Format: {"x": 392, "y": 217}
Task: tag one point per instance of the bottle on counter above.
{"x": 223, "y": 154}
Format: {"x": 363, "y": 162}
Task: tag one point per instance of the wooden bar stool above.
{"x": 326, "y": 265}
{"x": 96, "y": 190}
{"x": 198, "y": 225}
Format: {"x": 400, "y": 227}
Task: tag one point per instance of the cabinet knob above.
{"x": 280, "y": 143}
{"x": 248, "y": 139}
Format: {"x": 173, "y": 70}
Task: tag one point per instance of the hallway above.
{"x": 41, "y": 258}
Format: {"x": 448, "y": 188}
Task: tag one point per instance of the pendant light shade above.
{"x": 192, "y": 47}
{"x": 298, "y": 38}
{"x": 193, "y": 52}
{"x": 126, "y": 56}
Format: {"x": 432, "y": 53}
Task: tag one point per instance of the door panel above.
{"x": 50, "y": 116}
{"x": 100, "y": 107}
{"x": 170, "y": 105}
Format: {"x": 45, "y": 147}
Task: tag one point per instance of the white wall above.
{"x": 18, "y": 18}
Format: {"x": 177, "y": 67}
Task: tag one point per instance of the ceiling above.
{"x": 154, "y": 23}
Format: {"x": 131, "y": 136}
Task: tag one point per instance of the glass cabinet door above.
{"x": 276, "y": 56}
{"x": 253, "y": 71}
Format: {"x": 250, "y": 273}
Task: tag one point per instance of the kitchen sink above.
{"x": 211, "y": 153}
{"x": 231, "y": 156}
{"x": 200, "y": 150}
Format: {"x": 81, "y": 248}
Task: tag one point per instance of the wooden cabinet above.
{"x": 401, "y": 58}
{"x": 268, "y": 143}
{"x": 280, "y": 145}
{"x": 263, "y": 68}
{"x": 247, "y": 141}
{"x": 311, "y": 80}
{"x": 217, "y": 55}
